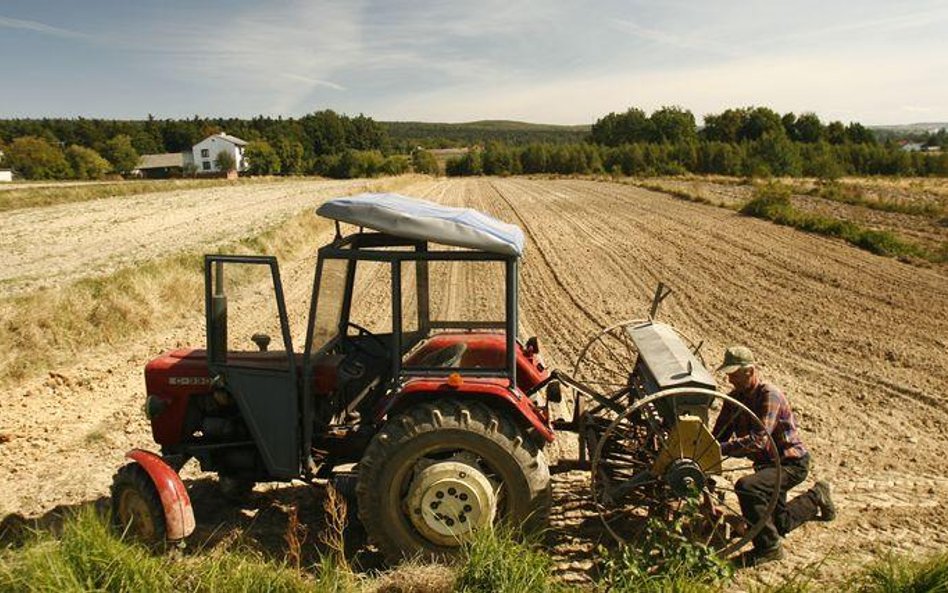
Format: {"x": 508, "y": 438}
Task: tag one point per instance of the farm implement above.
{"x": 433, "y": 410}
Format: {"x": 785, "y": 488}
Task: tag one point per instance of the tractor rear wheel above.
{"x": 136, "y": 507}
{"x": 441, "y": 469}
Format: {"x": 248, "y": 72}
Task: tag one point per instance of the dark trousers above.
{"x": 755, "y": 490}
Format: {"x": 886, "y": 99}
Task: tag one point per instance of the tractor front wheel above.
{"x": 440, "y": 470}
{"x": 136, "y": 507}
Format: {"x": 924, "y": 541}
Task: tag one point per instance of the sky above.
{"x": 555, "y": 61}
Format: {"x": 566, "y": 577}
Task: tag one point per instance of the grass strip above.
{"x": 772, "y": 202}
{"x": 29, "y": 197}
{"x": 681, "y": 194}
{"x": 87, "y": 555}
{"x": 849, "y": 194}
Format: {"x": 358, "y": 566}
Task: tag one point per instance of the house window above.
{"x": 206, "y": 165}
{"x": 205, "y": 152}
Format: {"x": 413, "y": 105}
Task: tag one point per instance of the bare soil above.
{"x": 55, "y": 245}
{"x": 859, "y": 343}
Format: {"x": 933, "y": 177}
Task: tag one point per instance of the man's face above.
{"x": 742, "y": 378}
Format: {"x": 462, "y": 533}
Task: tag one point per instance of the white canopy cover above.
{"x": 413, "y": 218}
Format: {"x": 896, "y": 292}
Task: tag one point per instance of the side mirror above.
{"x": 261, "y": 340}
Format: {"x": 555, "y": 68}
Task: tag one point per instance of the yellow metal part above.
{"x": 689, "y": 439}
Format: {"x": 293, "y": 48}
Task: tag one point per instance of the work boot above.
{"x": 823, "y": 500}
{"x": 757, "y": 556}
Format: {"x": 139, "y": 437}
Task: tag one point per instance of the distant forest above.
{"x": 749, "y": 141}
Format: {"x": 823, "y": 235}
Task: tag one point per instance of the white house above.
{"x": 6, "y": 175}
{"x": 205, "y": 152}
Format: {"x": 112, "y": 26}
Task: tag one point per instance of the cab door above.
{"x": 250, "y": 354}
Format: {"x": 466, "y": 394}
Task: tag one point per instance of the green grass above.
{"x": 494, "y": 561}
{"x": 89, "y": 556}
{"x": 895, "y": 574}
{"x": 772, "y": 202}
{"x": 85, "y": 554}
{"x": 663, "y": 560}
{"x": 29, "y": 197}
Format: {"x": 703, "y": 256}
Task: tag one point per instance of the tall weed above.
{"x": 665, "y": 559}
{"x": 895, "y": 574}
{"x": 493, "y": 560}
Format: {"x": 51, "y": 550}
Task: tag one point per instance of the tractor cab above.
{"x": 415, "y": 301}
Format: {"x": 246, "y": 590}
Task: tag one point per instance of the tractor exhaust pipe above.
{"x": 218, "y": 328}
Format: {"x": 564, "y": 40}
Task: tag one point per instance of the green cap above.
{"x": 736, "y": 357}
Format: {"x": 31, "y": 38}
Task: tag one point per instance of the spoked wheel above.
{"x": 659, "y": 460}
{"x": 605, "y": 365}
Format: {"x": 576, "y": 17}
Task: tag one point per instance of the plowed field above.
{"x": 858, "y": 342}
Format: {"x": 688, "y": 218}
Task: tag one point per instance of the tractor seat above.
{"x": 445, "y": 357}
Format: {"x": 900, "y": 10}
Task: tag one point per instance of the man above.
{"x": 740, "y": 437}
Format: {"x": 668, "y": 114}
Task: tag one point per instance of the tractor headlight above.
{"x": 154, "y": 406}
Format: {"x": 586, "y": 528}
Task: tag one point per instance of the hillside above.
{"x": 446, "y": 135}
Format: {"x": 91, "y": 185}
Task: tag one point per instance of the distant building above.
{"x": 162, "y": 166}
{"x": 6, "y": 175}
{"x": 201, "y": 159}
{"x": 205, "y": 152}
{"x": 912, "y": 147}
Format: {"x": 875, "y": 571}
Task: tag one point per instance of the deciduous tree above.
{"x": 262, "y": 159}
{"x": 35, "y": 158}
{"x": 120, "y": 152}
{"x": 86, "y": 163}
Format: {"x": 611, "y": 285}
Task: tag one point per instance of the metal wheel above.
{"x": 659, "y": 460}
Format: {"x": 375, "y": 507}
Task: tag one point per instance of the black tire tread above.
{"x": 134, "y": 476}
{"x": 449, "y": 414}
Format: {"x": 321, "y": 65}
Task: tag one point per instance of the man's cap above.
{"x": 736, "y": 357}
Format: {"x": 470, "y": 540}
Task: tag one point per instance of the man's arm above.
{"x": 756, "y": 440}
{"x": 724, "y": 425}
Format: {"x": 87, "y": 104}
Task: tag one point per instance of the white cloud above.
{"x": 789, "y": 83}
{"x": 35, "y": 26}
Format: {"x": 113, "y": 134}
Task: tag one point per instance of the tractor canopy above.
{"x": 411, "y": 218}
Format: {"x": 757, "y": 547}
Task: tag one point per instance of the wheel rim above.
{"x": 447, "y": 500}
{"x": 134, "y": 515}
{"x": 640, "y": 472}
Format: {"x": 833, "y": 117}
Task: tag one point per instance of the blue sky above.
{"x": 556, "y": 61}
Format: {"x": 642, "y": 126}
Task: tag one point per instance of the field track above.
{"x": 859, "y": 342}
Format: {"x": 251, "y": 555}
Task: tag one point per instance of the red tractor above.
{"x": 442, "y": 417}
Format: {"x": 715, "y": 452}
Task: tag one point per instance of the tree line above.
{"x": 91, "y": 148}
{"x": 759, "y": 158}
{"x": 752, "y": 141}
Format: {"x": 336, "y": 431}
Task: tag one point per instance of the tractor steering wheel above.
{"x": 364, "y": 332}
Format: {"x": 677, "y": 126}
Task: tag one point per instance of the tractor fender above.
{"x": 179, "y": 514}
{"x": 494, "y": 394}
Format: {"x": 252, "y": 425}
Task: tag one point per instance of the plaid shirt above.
{"x": 741, "y": 437}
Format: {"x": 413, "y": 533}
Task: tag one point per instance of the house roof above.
{"x": 161, "y": 161}
{"x": 412, "y": 218}
{"x": 232, "y": 139}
